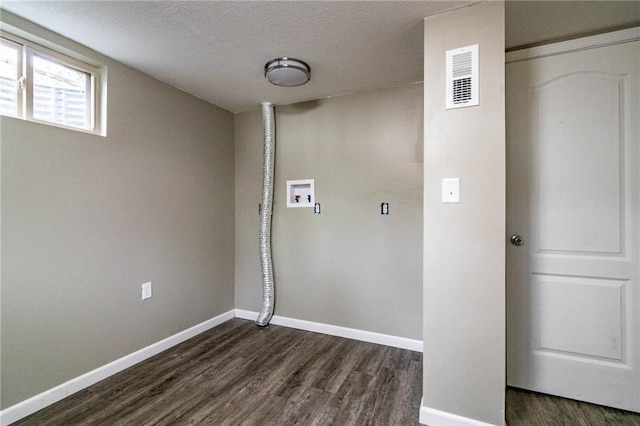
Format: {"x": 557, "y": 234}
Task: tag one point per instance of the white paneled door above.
{"x": 573, "y": 300}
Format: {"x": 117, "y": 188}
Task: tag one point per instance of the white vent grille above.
{"x": 462, "y": 77}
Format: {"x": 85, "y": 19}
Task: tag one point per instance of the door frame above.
{"x": 585, "y": 43}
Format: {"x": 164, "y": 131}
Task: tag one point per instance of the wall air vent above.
{"x": 462, "y": 77}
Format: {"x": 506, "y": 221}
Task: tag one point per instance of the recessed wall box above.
{"x": 301, "y": 193}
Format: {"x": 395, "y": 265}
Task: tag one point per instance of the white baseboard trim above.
{"x": 334, "y": 330}
{"x": 46, "y": 398}
{"x": 433, "y": 417}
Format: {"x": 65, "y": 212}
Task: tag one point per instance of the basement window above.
{"x": 41, "y": 85}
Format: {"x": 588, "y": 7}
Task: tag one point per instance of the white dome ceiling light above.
{"x": 287, "y": 72}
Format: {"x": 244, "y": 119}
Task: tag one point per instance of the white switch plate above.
{"x": 451, "y": 190}
{"x": 146, "y": 291}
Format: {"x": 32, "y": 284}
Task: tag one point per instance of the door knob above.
{"x": 517, "y": 240}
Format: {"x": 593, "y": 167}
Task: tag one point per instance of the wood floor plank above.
{"x": 526, "y": 408}
{"x": 346, "y": 404}
{"x": 377, "y": 405}
{"x": 300, "y": 408}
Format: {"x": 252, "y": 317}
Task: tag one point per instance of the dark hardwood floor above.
{"x": 241, "y": 374}
{"x": 526, "y": 408}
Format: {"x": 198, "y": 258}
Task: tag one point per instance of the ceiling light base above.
{"x": 287, "y": 72}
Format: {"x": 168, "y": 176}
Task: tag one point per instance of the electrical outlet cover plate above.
{"x": 146, "y": 290}
{"x": 451, "y": 190}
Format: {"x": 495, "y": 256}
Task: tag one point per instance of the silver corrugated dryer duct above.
{"x": 266, "y": 262}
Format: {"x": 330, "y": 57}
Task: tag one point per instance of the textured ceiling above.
{"x": 217, "y": 50}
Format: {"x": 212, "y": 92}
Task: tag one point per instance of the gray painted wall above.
{"x": 348, "y": 266}
{"x": 464, "y": 244}
{"x": 536, "y": 22}
{"x": 87, "y": 219}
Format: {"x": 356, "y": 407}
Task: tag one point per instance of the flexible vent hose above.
{"x": 266, "y": 262}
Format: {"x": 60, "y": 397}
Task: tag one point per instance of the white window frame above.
{"x": 26, "y": 73}
{"x": 19, "y": 67}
